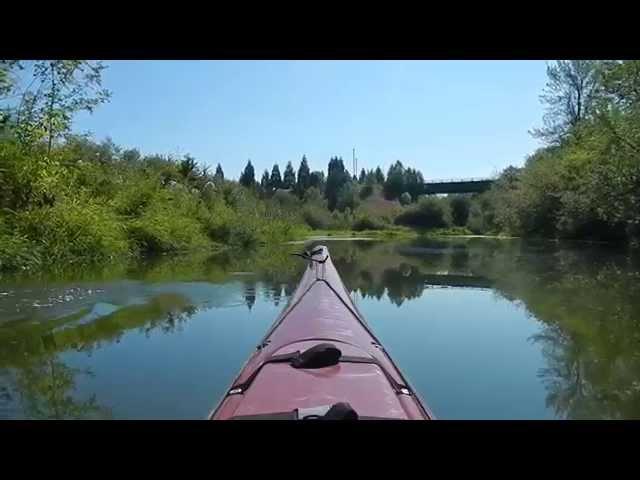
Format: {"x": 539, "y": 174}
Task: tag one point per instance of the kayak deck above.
{"x": 319, "y": 313}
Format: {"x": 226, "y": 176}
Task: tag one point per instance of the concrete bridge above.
{"x": 459, "y": 185}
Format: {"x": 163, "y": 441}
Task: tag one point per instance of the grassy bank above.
{"x": 392, "y": 232}
{"x": 85, "y": 203}
{"x": 67, "y": 200}
{"x": 398, "y": 232}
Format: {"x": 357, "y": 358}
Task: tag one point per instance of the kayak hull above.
{"x": 320, "y": 311}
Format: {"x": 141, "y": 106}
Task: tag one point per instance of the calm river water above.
{"x": 482, "y": 328}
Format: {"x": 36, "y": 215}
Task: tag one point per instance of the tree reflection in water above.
{"x": 586, "y": 298}
{"x": 44, "y": 386}
{"x": 250, "y": 293}
{"x": 46, "y": 389}
{"x": 590, "y": 338}
{"x": 587, "y": 301}
{"x": 563, "y": 377}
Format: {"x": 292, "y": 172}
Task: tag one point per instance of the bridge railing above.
{"x": 460, "y": 180}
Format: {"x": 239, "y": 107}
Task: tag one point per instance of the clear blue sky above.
{"x": 447, "y": 118}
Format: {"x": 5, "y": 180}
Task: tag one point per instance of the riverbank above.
{"x": 398, "y": 232}
{"x": 254, "y": 253}
{"x": 34, "y": 267}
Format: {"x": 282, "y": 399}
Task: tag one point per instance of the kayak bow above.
{"x": 320, "y": 360}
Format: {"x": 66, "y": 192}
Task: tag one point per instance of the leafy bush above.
{"x": 366, "y": 222}
{"x": 459, "y": 209}
{"x": 252, "y": 222}
{"x": 136, "y": 195}
{"x": 18, "y": 253}
{"x": 314, "y": 196}
{"x": 482, "y": 214}
{"x": 366, "y": 191}
{"x": 475, "y": 222}
{"x": 316, "y": 217}
{"x": 156, "y": 231}
{"x": 428, "y": 213}
{"x": 78, "y": 230}
{"x": 169, "y": 223}
{"x": 30, "y": 178}
{"x": 234, "y": 195}
{"x": 341, "y": 220}
{"x": 347, "y": 197}
{"x": 243, "y": 234}
{"x": 285, "y": 199}
{"x": 405, "y": 198}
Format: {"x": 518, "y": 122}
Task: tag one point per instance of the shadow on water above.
{"x": 585, "y": 297}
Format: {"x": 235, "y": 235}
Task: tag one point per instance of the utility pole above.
{"x": 355, "y": 163}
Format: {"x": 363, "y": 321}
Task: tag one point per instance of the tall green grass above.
{"x": 84, "y": 204}
{"x": 73, "y": 230}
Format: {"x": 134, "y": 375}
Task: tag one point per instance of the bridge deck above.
{"x": 469, "y": 185}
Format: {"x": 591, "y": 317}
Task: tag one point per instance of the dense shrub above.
{"x": 243, "y": 234}
{"x": 366, "y": 222}
{"x": 584, "y": 183}
{"x": 18, "y": 253}
{"x": 366, "y": 191}
{"x": 78, "y": 230}
{"x": 341, "y": 220}
{"x": 157, "y": 231}
{"x": 348, "y": 197}
{"x": 285, "y": 199}
{"x": 405, "y": 198}
{"x": 316, "y": 217}
{"x": 136, "y": 194}
{"x": 314, "y": 196}
{"x": 314, "y": 211}
{"x": 459, "y": 209}
{"x": 482, "y": 215}
{"x": 29, "y": 178}
{"x": 428, "y": 213}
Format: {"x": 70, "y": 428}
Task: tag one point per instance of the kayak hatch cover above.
{"x": 320, "y": 360}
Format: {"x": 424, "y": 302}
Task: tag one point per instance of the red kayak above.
{"x": 320, "y": 360}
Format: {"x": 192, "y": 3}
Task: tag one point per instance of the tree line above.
{"x": 405, "y": 184}
{"x": 65, "y": 198}
{"x": 585, "y": 181}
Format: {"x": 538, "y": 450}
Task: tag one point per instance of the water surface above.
{"x": 482, "y": 328}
